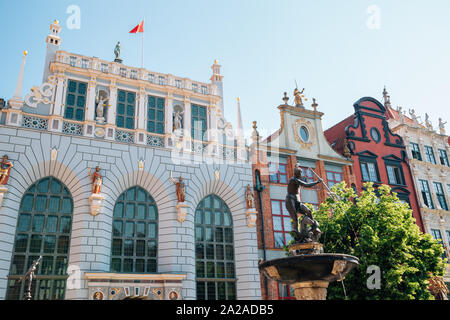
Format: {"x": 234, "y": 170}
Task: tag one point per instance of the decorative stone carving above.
{"x": 40, "y": 94}
{"x": 96, "y": 203}
{"x": 181, "y": 211}
{"x": 53, "y": 154}
{"x": 251, "y": 217}
{"x": 305, "y": 144}
{"x": 141, "y": 165}
{"x": 3, "y": 191}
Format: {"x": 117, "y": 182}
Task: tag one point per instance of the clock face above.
{"x": 304, "y": 133}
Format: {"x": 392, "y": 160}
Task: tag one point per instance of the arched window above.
{"x": 135, "y": 233}
{"x": 214, "y": 250}
{"x": 43, "y": 229}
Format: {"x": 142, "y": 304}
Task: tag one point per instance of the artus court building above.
{"x": 132, "y": 227}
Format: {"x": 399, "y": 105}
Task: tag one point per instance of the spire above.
{"x": 239, "y": 126}
{"x": 16, "y": 101}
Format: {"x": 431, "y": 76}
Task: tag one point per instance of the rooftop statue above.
{"x": 117, "y": 53}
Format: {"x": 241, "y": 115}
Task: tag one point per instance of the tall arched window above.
{"x": 214, "y": 250}
{"x": 43, "y": 229}
{"x": 135, "y": 233}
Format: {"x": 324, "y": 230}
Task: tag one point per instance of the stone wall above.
{"x": 90, "y": 247}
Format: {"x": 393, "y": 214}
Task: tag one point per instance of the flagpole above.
{"x": 143, "y": 45}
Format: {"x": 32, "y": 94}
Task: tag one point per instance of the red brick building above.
{"x": 299, "y": 140}
{"x": 378, "y": 154}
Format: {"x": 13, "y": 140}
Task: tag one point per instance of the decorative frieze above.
{"x": 155, "y": 141}
{"x": 124, "y": 136}
{"x": 72, "y": 128}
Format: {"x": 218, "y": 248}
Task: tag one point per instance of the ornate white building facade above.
{"x": 135, "y": 238}
{"x": 428, "y": 151}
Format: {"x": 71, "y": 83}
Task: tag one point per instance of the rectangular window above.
{"x": 430, "y": 154}
{"x": 73, "y": 61}
{"x": 156, "y": 108}
{"x": 151, "y": 78}
{"x": 75, "y": 100}
{"x": 161, "y": 80}
{"x": 440, "y": 195}
{"x": 123, "y": 72}
{"x": 333, "y": 178}
{"x": 443, "y": 157}
{"x": 436, "y": 234}
{"x": 369, "y": 171}
{"x": 448, "y": 236}
{"x": 204, "y": 89}
{"x": 285, "y": 292}
{"x": 281, "y": 223}
{"x": 133, "y": 74}
{"x": 395, "y": 175}
{"x": 198, "y": 122}
{"x": 125, "y": 109}
{"x": 195, "y": 87}
{"x": 426, "y": 194}
{"x": 278, "y": 171}
{"x": 178, "y": 84}
{"x": 307, "y": 174}
{"x": 85, "y": 63}
{"x": 104, "y": 68}
{"x": 415, "y": 151}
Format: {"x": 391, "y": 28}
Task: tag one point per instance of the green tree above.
{"x": 380, "y": 231}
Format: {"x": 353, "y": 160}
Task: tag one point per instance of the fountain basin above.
{"x": 324, "y": 267}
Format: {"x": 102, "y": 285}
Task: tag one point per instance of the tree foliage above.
{"x": 380, "y": 231}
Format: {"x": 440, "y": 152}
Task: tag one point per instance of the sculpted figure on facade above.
{"x": 117, "y": 51}
{"x": 101, "y": 101}
{"x": 178, "y": 120}
{"x": 401, "y": 115}
{"x": 181, "y": 188}
{"x": 442, "y": 126}
{"x": 96, "y": 180}
{"x": 249, "y": 198}
{"x": 413, "y": 115}
{"x": 298, "y": 97}
{"x": 5, "y": 168}
{"x": 428, "y": 122}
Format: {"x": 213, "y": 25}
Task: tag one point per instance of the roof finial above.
{"x": 386, "y": 98}
{"x": 285, "y": 99}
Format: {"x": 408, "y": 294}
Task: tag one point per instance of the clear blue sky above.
{"x": 262, "y": 45}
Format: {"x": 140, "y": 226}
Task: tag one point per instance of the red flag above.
{"x": 138, "y": 28}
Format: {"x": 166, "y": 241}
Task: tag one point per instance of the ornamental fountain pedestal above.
{"x": 308, "y": 270}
